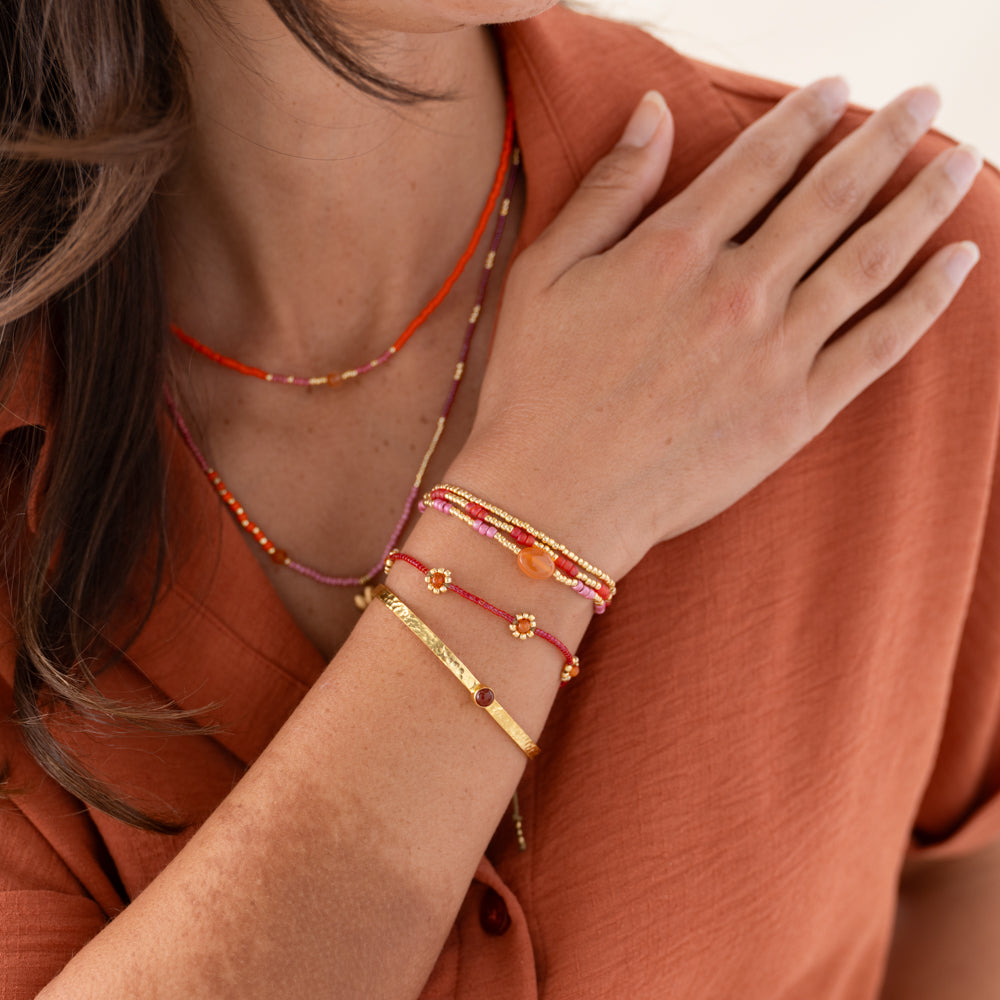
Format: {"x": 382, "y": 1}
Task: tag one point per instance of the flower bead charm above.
{"x": 570, "y": 670}
{"x": 437, "y": 580}
{"x": 523, "y": 626}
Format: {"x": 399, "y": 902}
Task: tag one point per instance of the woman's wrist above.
{"x": 491, "y": 572}
{"x": 580, "y": 516}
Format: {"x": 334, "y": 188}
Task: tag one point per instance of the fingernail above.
{"x": 834, "y": 92}
{"x": 962, "y": 165}
{"x": 961, "y": 261}
{"x": 923, "y": 103}
{"x": 645, "y": 120}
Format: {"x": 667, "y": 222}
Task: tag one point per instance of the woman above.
{"x": 781, "y": 699}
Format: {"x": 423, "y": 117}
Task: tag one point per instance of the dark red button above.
{"x": 493, "y": 913}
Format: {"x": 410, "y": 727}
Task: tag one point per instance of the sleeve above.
{"x": 960, "y": 810}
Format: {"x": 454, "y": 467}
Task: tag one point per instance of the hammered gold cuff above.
{"x": 482, "y": 695}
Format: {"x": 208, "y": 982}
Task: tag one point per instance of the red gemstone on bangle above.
{"x": 536, "y": 563}
{"x": 484, "y": 697}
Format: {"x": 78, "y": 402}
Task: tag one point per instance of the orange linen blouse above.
{"x": 780, "y": 706}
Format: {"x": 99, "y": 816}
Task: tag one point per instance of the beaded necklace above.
{"x": 336, "y": 378}
{"x": 279, "y": 555}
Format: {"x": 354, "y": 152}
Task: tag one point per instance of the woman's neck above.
{"x": 303, "y": 211}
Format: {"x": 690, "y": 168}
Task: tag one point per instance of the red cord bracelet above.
{"x": 522, "y": 626}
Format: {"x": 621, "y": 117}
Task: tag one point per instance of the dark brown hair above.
{"x": 94, "y": 112}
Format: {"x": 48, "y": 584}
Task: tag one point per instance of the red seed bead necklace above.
{"x": 336, "y": 378}
{"x": 243, "y": 519}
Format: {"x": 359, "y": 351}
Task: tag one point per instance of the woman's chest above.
{"x": 323, "y": 481}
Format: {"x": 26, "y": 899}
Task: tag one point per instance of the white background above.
{"x": 881, "y": 46}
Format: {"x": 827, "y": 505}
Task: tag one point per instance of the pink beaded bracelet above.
{"x": 522, "y": 626}
{"x": 538, "y": 556}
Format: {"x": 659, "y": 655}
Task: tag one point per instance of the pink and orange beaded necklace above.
{"x": 509, "y": 167}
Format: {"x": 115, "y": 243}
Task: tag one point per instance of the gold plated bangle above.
{"x": 482, "y": 695}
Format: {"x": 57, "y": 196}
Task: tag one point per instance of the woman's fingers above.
{"x": 878, "y": 252}
{"x": 731, "y": 192}
{"x": 836, "y": 191}
{"x": 612, "y": 195}
{"x": 713, "y": 354}
{"x": 849, "y": 365}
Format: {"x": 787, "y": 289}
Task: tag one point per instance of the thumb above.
{"x": 615, "y": 191}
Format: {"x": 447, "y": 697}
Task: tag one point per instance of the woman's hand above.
{"x": 642, "y": 383}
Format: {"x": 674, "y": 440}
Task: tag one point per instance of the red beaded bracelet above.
{"x": 538, "y": 556}
{"x": 522, "y": 626}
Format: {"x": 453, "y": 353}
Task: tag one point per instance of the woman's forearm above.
{"x": 337, "y": 865}
{"x": 945, "y": 942}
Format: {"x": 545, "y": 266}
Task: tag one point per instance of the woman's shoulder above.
{"x": 575, "y": 79}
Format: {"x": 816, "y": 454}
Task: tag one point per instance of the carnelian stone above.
{"x": 484, "y": 697}
{"x": 536, "y": 563}
{"x": 524, "y": 625}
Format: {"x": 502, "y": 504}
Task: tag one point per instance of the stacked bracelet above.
{"x": 538, "y": 556}
{"x": 482, "y": 694}
{"x": 522, "y": 626}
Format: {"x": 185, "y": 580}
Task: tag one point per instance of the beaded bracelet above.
{"x": 538, "y": 556}
{"x": 482, "y": 694}
{"x": 534, "y": 560}
{"x": 522, "y": 626}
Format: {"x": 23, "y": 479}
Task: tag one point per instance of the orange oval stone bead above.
{"x": 437, "y": 580}
{"x": 536, "y": 563}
